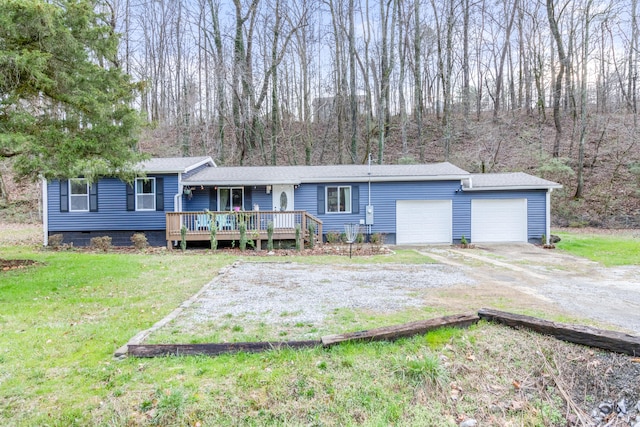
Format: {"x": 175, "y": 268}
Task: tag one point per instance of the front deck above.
{"x": 198, "y": 225}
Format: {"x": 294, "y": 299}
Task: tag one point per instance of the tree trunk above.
{"x": 352, "y": 84}
{"x": 557, "y": 90}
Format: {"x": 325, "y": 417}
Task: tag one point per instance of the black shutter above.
{"x": 248, "y": 205}
{"x": 64, "y": 195}
{"x": 131, "y": 197}
{"x": 320, "y": 200}
{"x": 355, "y": 199}
{"x": 93, "y": 197}
{"x": 159, "y": 194}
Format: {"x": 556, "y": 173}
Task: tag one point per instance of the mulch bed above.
{"x": 16, "y": 264}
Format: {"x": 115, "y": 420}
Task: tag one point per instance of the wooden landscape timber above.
{"x": 390, "y": 333}
{"x": 156, "y": 350}
{"x": 378, "y": 334}
{"x": 607, "y": 340}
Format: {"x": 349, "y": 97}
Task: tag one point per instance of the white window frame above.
{"x": 338, "y": 188}
{"x": 146, "y": 195}
{"x": 231, "y": 189}
{"x": 77, "y": 196}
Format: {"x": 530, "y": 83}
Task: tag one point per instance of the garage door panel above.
{"x": 499, "y": 220}
{"x": 423, "y": 221}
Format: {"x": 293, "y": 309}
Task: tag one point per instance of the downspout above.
{"x": 45, "y": 212}
{"x": 177, "y": 199}
{"x": 547, "y": 233}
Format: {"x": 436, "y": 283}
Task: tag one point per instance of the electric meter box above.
{"x": 368, "y": 218}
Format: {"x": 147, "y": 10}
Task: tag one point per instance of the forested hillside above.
{"x": 547, "y": 87}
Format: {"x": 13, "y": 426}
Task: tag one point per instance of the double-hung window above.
{"x": 339, "y": 199}
{"x": 146, "y": 194}
{"x": 78, "y": 195}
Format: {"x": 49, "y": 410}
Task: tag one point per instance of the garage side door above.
{"x": 423, "y": 221}
{"x": 499, "y": 220}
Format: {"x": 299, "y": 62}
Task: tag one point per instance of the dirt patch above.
{"x": 16, "y": 264}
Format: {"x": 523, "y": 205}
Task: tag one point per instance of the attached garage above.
{"x": 498, "y": 220}
{"x": 423, "y": 221}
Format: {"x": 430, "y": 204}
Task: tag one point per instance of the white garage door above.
{"x": 499, "y": 220}
{"x": 423, "y": 221}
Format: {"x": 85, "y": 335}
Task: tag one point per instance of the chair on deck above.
{"x": 203, "y": 222}
{"x": 224, "y": 222}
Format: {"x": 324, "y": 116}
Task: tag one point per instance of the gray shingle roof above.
{"x": 173, "y": 164}
{"x": 508, "y": 181}
{"x": 265, "y": 175}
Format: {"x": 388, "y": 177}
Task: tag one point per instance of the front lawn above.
{"x": 621, "y": 248}
{"x": 62, "y": 319}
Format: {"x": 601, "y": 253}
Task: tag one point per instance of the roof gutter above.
{"x": 373, "y": 178}
{"x": 513, "y": 188}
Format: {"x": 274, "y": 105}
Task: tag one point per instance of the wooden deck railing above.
{"x": 198, "y": 225}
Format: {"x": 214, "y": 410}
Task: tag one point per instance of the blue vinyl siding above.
{"x": 202, "y": 199}
{"x": 536, "y": 210}
{"x": 199, "y": 200}
{"x": 260, "y": 197}
{"x": 383, "y": 199}
{"x": 112, "y": 213}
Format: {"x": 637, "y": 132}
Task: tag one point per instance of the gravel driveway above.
{"x": 579, "y": 287}
{"x": 509, "y": 277}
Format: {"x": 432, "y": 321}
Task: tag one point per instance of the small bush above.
{"x": 139, "y": 241}
{"x": 298, "y": 238}
{"x": 102, "y": 243}
{"x": 360, "y": 238}
{"x": 333, "y": 237}
{"x": 183, "y": 238}
{"x": 55, "y": 241}
{"x": 213, "y": 235}
{"x": 242, "y": 227}
{"x": 312, "y": 234}
{"x": 377, "y": 239}
{"x": 270, "y": 236}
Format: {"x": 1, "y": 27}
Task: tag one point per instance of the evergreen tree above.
{"x": 65, "y": 106}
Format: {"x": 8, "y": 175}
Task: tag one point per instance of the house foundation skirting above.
{"x": 118, "y": 238}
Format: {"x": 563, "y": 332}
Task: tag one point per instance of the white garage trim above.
{"x": 423, "y": 221}
{"x": 499, "y": 220}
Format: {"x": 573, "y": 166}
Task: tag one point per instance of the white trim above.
{"x": 208, "y": 160}
{"x": 270, "y": 181}
{"x": 548, "y": 217}
{"x": 45, "y": 212}
{"x": 177, "y": 198}
{"x": 78, "y": 196}
{"x": 230, "y": 197}
{"x": 155, "y": 191}
{"x": 514, "y": 188}
{"x": 326, "y": 199}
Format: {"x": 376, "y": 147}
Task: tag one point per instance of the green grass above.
{"x": 61, "y": 321}
{"x": 608, "y": 250}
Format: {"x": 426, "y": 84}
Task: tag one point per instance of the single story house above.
{"x": 408, "y": 204}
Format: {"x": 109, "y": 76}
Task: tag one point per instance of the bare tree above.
{"x": 562, "y": 60}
